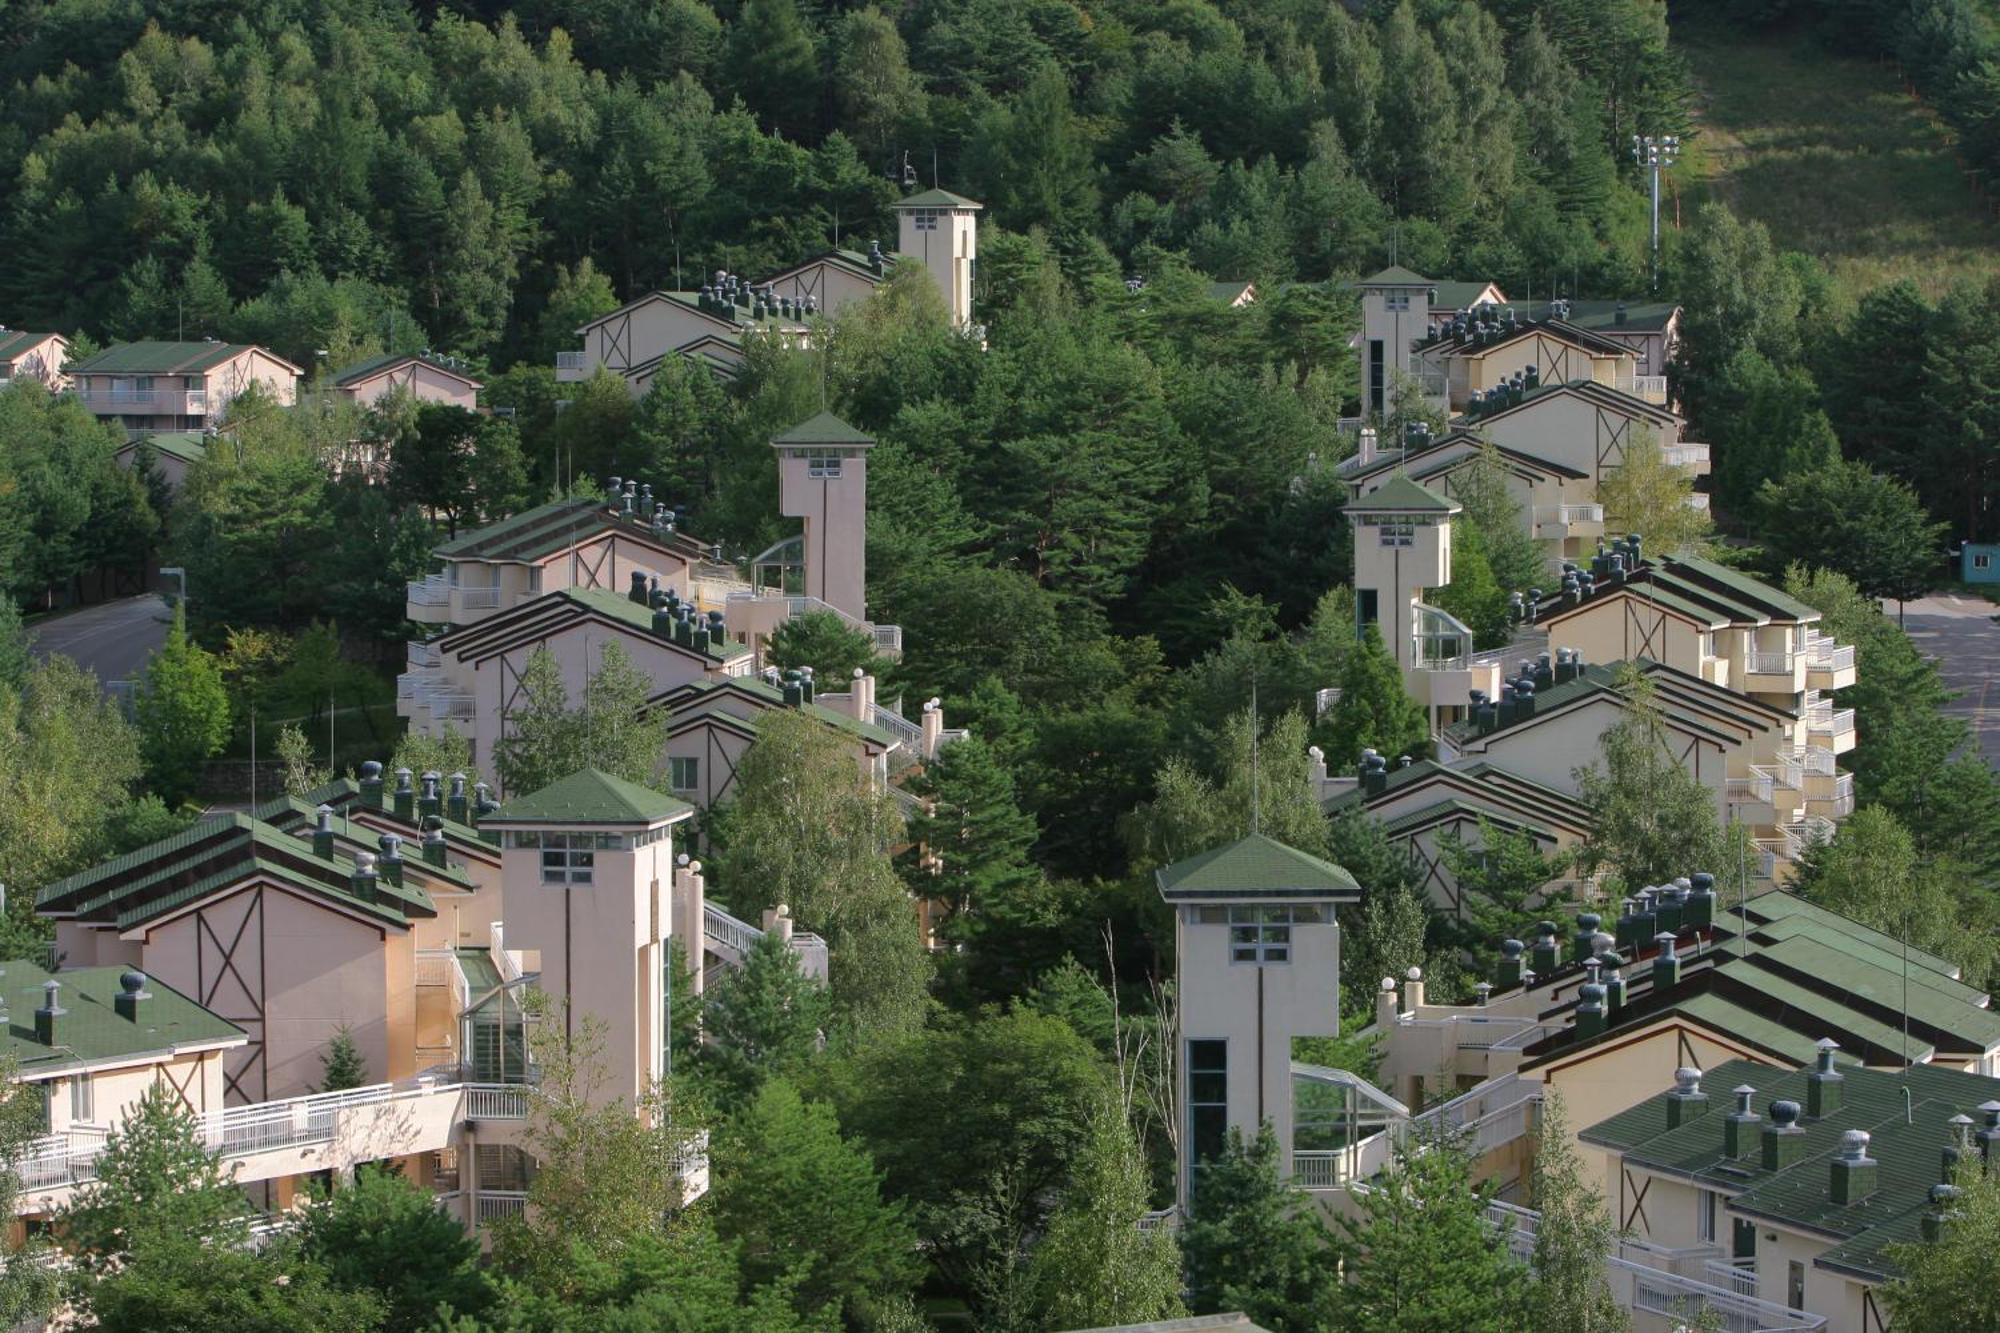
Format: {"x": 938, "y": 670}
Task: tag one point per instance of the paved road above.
{"x": 114, "y": 639}
{"x": 1960, "y": 633}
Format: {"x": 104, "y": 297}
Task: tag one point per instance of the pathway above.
{"x": 1959, "y": 632}
{"x": 114, "y": 640}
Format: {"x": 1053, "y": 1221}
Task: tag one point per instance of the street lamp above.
{"x": 1657, "y": 153}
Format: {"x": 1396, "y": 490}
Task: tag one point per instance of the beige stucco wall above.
{"x": 649, "y": 329}
{"x": 834, "y": 287}
{"x": 1555, "y": 746}
{"x": 835, "y": 510}
{"x": 1563, "y": 428}
{"x": 426, "y": 384}
{"x": 1616, "y": 629}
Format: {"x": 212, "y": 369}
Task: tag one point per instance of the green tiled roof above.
{"x": 1602, "y": 316}
{"x": 189, "y": 446}
{"x": 1775, "y": 905}
{"x": 157, "y": 358}
{"x": 1453, "y": 294}
{"x": 591, "y": 796}
{"x": 363, "y": 369}
{"x": 298, "y": 816}
{"x": 822, "y": 428}
{"x": 620, "y": 607}
{"x": 938, "y": 199}
{"x": 92, "y": 1031}
{"x": 14, "y": 343}
{"x": 1616, "y": 399}
{"x": 1395, "y": 276}
{"x": 1733, "y": 581}
{"x": 344, "y": 795}
{"x": 1255, "y": 867}
{"x": 1400, "y": 495}
{"x": 1905, "y": 1141}
{"x": 548, "y": 528}
{"x": 771, "y": 695}
{"x": 208, "y": 856}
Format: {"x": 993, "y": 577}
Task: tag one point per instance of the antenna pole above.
{"x": 1255, "y": 793}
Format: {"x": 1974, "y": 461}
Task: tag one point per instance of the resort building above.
{"x": 177, "y": 386}
{"x": 423, "y": 377}
{"x": 33, "y": 356}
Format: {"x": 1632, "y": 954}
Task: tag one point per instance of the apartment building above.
{"x": 173, "y": 452}
{"x": 934, "y": 228}
{"x": 33, "y": 356}
{"x": 303, "y": 920}
{"x": 177, "y": 386}
{"x": 419, "y": 375}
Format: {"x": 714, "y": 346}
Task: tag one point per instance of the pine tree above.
{"x": 611, "y": 729}
{"x": 973, "y": 836}
{"x": 1570, "y": 1292}
{"x": 1474, "y": 595}
{"x": 156, "y": 1179}
{"x": 1375, "y": 711}
{"x": 826, "y": 643}
{"x": 765, "y": 1020}
{"x": 1252, "y": 1243}
{"x": 341, "y": 1064}
{"x": 1419, "y": 1254}
{"x": 1651, "y": 819}
{"x": 183, "y": 712}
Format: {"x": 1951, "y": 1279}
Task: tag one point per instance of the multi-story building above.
{"x": 421, "y": 376}
{"x": 33, "y": 356}
{"x": 936, "y": 228}
{"x": 176, "y": 386}
{"x": 304, "y": 920}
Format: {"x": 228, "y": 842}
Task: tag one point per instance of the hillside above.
{"x": 1835, "y": 158}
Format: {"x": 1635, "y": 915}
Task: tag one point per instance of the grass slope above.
{"x": 1835, "y": 159}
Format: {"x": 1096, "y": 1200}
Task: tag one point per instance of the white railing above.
{"x": 1519, "y": 1225}
{"x": 1685, "y": 455}
{"x": 1772, "y": 661}
{"x": 496, "y": 1101}
{"x": 493, "y": 1205}
{"x": 727, "y": 932}
{"x": 1486, "y": 1104}
{"x": 421, "y": 654}
{"x": 1815, "y": 762}
{"x": 904, "y": 730}
{"x": 1832, "y": 724}
{"x": 1741, "y": 1279}
{"x": 178, "y": 401}
{"x": 1168, "y": 1218}
{"x": 1826, "y": 655}
{"x": 1841, "y": 800}
{"x": 692, "y": 1171}
{"x": 569, "y": 360}
{"x": 1569, "y": 514}
{"x": 888, "y": 639}
{"x": 434, "y": 590}
{"x": 1653, "y": 388}
{"x": 479, "y": 599}
{"x": 1697, "y": 500}
{"x": 1325, "y": 699}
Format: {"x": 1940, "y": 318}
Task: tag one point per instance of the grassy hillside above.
{"x": 1834, "y": 158}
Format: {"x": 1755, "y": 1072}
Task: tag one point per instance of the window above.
{"x": 1398, "y": 534}
{"x": 1396, "y": 300}
{"x": 925, "y": 219}
{"x": 1367, "y": 607}
{"x": 1376, "y": 371}
{"x": 1262, "y": 934}
{"x": 823, "y": 465}
{"x": 1982, "y": 562}
{"x": 683, "y": 774}
{"x": 1208, "y": 1098}
{"x": 1708, "y": 643}
{"x": 569, "y": 858}
{"x": 1704, "y": 1216}
{"x": 1795, "y": 1285}
{"x": 81, "y": 1102}
{"x": 534, "y": 578}
{"x": 144, "y": 382}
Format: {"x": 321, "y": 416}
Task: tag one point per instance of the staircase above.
{"x": 730, "y": 939}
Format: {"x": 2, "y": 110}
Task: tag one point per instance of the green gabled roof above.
{"x": 344, "y": 795}
{"x": 1456, "y": 294}
{"x": 1400, "y": 495}
{"x": 770, "y": 694}
{"x": 207, "y": 857}
{"x": 548, "y": 528}
{"x": 1747, "y": 1023}
{"x": 160, "y": 358}
{"x": 620, "y": 607}
{"x": 1255, "y": 867}
{"x": 1657, "y": 592}
{"x": 91, "y": 1031}
{"x": 591, "y": 796}
{"x": 1601, "y": 316}
{"x": 14, "y": 342}
{"x": 938, "y": 199}
{"x": 1731, "y": 581}
{"x": 1395, "y": 276}
{"x": 1775, "y": 905}
{"x": 822, "y": 428}
{"x": 293, "y": 814}
{"x": 189, "y": 446}
{"x": 363, "y": 369}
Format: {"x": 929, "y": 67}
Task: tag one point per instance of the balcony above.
{"x": 496, "y": 1101}
{"x": 1829, "y": 665}
{"x": 1693, "y": 457}
{"x": 1831, "y": 728}
{"x": 1652, "y": 388}
{"x": 106, "y": 400}
{"x": 428, "y": 594}
{"x": 477, "y": 599}
{"x": 1697, "y": 500}
{"x": 1559, "y": 521}
{"x": 1772, "y": 670}
{"x": 1830, "y": 797}
{"x": 570, "y": 367}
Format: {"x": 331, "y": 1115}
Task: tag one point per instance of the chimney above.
{"x": 1958, "y": 1148}
{"x": 390, "y": 862}
{"x": 931, "y": 724}
{"x": 1618, "y": 316}
{"x": 362, "y": 881}
{"x": 483, "y": 803}
{"x": 1374, "y": 773}
{"x": 637, "y": 592}
{"x": 46, "y": 1017}
{"x": 794, "y": 691}
{"x": 1686, "y": 1101}
{"x": 1546, "y": 954}
{"x": 1589, "y": 1010}
{"x": 323, "y": 833}
{"x": 406, "y": 796}
{"x": 1482, "y": 992}
{"x": 1385, "y": 1004}
{"x": 1854, "y": 1170}
{"x": 431, "y": 802}
{"x": 1614, "y": 994}
{"x": 1508, "y": 971}
{"x": 371, "y": 784}
{"x": 1666, "y": 964}
{"x": 1784, "y": 1139}
{"x": 434, "y": 843}
{"x": 1943, "y": 1211}
{"x": 1699, "y": 911}
{"x": 1739, "y": 1131}
{"x": 1824, "y": 1087}
{"x": 455, "y": 804}
{"x": 1667, "y": 909}
{"x": 1989, "y": 1133}
{"x": 132, "y": 995}
{"x": 1413, "y": 990}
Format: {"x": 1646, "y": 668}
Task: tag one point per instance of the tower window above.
{"x": 1208, "y": 1098}
{"x": 823, "y": 465}
{"x": 1398, "y": 534}
{"x": 1396, "y": 300}
{"x": 925, "y": 219}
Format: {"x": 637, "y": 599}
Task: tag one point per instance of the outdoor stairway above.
{"x": 729, "y": 939}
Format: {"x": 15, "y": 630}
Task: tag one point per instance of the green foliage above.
{"x": 183, "y": 713}
{"x": 799, "y": 1201}
{"x": 1569, "y": 1290}
{"x": 609, "y": 729}
{"x": 385, "y": 1236}
{"x": 68, "y": 764}
{"x": 1374, "y": 712}
{"x": 765, "y": 1020}
{"x": 1949, "y": 1282}
{"x": 806, "y": 829}
{"x": 445, "y": 752}
{"x": 1474, "y": 595}
{"x": 1647, "y": 495}
{"x": 1844, "y": 517}
{"x": 295, "y": 754}
{"x": 1419, "y": 1255}
{"x": 63, "y": 502}
{"x": 1252, "y": 1243}
{"x": 1651, "y": 819}
{"x": 156, "y": 1183}
{"x": 1498, "y": 873}
{"x": 823, "y": 641}
{"x": 458, "y": 466}
{"x": 178, "y": 1284}
{"x": 1190, "y": 813}
{"x": 341, "y": 1064}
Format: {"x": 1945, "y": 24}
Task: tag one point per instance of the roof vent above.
{"x": 1941, "y": 1213}
{"x": 455, "y": 804}
{"x": 1666, "y": 964}
{"x": 406, "y": 795}
{"x": 1824, "y": 1087}
{"x": 1739, "y": 1131}
{"x": 363, "y": 880}
{"x": 1957, "y": 1148}
{"x": 323, "y": 833}
{"x": 434, "y": 844}
{"x": 132, "y": 995}
{"x": 1687, "y": 1100}
{"x": 390, "y": 863}
{"x": 371, "y": 783}
{"x": 46, "y": 1017}
{"x": 1784, "y": 1138}
{"x": 1854, "y": 1174}
{"x": 1508, "y": 971}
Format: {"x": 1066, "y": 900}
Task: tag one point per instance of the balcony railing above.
{"x": 432, "y": 591}
{"x": 1823, "y": 654}
{"x": 1652, "y": 388}
{"x": 479, "y": 599}
{"x": 888, "y": 640}
{"x": 569, "y": 360}
{"x": 423, "y": 654}
{"x": 179, "y": 402}
{"x": 1569, "y": 515}
{"x": 496, "y": 1101}
{"x": 1832, "y": 723}
{"x": 492, "y": 1205}
{"x": 1685, "y": 455}
{"x": 1772, "y": 661}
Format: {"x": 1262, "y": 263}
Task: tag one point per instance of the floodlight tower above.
{"x": 1657, "y": 152}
